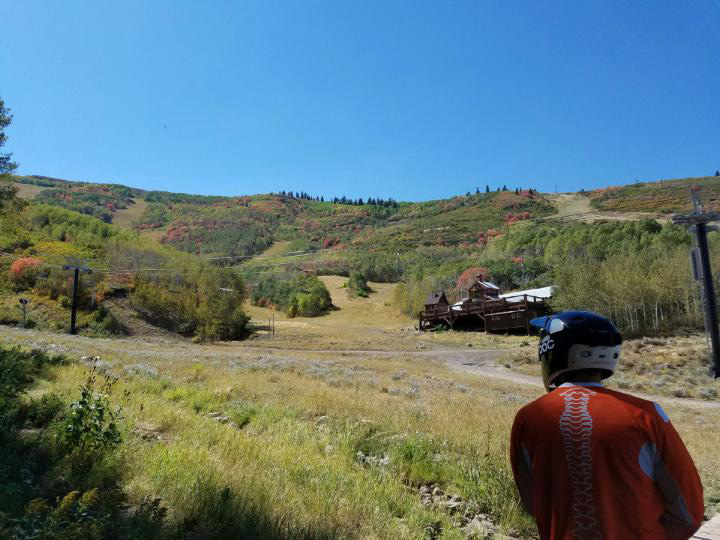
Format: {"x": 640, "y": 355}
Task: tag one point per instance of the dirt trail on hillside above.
{"x": 573, "y": 207}
{"x": 150, "y": 345}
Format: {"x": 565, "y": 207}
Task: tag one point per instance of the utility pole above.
{"x": 698, "y": 219}
{"x": 76, "y": 279}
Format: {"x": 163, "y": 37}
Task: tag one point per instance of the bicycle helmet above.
{"x": 576, "y": 340}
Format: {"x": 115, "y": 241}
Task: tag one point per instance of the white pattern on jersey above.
{"x": 576, "y": 430}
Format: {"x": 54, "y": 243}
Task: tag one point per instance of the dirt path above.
{"x": 575, "y": 207}
{"x": 481, "y": 362}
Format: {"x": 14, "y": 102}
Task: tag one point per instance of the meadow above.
{"x": 349, "y": 426}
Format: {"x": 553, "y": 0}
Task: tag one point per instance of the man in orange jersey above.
{"x": 593, "y": 463}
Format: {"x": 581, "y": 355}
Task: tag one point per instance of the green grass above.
{"x": 665, "y": 196}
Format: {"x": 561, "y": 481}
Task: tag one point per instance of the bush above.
{"x": 106, "y": 323}
{"x": 207, "y": 302}
{"x": 303, "y": 296}
{"x": 220, "y": 314}
{"x": 92, "y": 428}
{"x": 17, "y": 369}
{"x": 357, "y": 285}
{"x": 24, "y": 272}
{"x": 38, "y": 413}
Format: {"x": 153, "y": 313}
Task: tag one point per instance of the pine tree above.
{"x": 504, "y": 187}
{"x": 487, "y": 188}
{"x": 7, "y": 166}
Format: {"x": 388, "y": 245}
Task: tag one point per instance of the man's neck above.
{"x": 592, "y": 377}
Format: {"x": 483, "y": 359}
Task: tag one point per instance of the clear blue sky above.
{"x": 412, "y": 99}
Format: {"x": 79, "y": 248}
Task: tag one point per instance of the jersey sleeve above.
{"x": 677, "y": 480}
{"x": 521, "y": 463}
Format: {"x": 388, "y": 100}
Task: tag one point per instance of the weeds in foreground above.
{"x": 92, "y": 429}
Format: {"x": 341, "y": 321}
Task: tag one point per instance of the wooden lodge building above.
{"x": 485, "y": 308}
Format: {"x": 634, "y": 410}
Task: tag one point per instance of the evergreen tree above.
{"x": 504, "y": 187}
{"x": 517, "y": 191}
{"x": 477, "y": 191}
{"x": 487, "y": 188}
{"x": 7, "y": 166}
{"x": 717, "y": 173}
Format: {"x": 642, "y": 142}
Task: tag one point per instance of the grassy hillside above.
{"x": 518, "y": 240}
{"x": 246, "y": 225}
{"x": 166, "y": 287}
{"x": 664, "y": 196}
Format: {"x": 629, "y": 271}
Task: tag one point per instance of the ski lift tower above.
{"x": 698, "y": 220}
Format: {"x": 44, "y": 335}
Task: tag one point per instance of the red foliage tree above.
{"x": 23, "y": 272}
{"x": 468, "y": 277}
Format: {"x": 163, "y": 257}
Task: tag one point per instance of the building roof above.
{"x": 541, "y": 292}
{"x": 435, "y": 297}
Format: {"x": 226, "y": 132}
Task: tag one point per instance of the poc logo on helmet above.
{"x": 546, "y": 345}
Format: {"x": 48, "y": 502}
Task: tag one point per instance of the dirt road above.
{"x": 479, "y": 362}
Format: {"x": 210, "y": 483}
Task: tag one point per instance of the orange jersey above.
{"x": 592, "y": 463}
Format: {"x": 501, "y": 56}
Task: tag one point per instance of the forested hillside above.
{"x": 634, "y": 270}
{"x": 166, "y": 287}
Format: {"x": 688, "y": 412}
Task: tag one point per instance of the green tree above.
{"x": 357, "y": 285}
{"x": 220, "y": 312}
{"x": 7, "y": 166}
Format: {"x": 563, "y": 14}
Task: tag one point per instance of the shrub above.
{"x": 24, "y": 272}
{"x": 357, "y": 285}
{"x": 92, "y": 428}
{"x": 416, "y": 463}
{"x": 303, "y": 296}
{"x": 220, "y": 314}
{"x": 38, "y": 413}
{"x": 17, "y": 369}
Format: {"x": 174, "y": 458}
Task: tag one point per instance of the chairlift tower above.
{"x": 76, "y": 278}
{"x": 698, "y": 219}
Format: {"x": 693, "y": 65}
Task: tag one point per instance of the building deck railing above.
{"x": 484, "y": 308}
